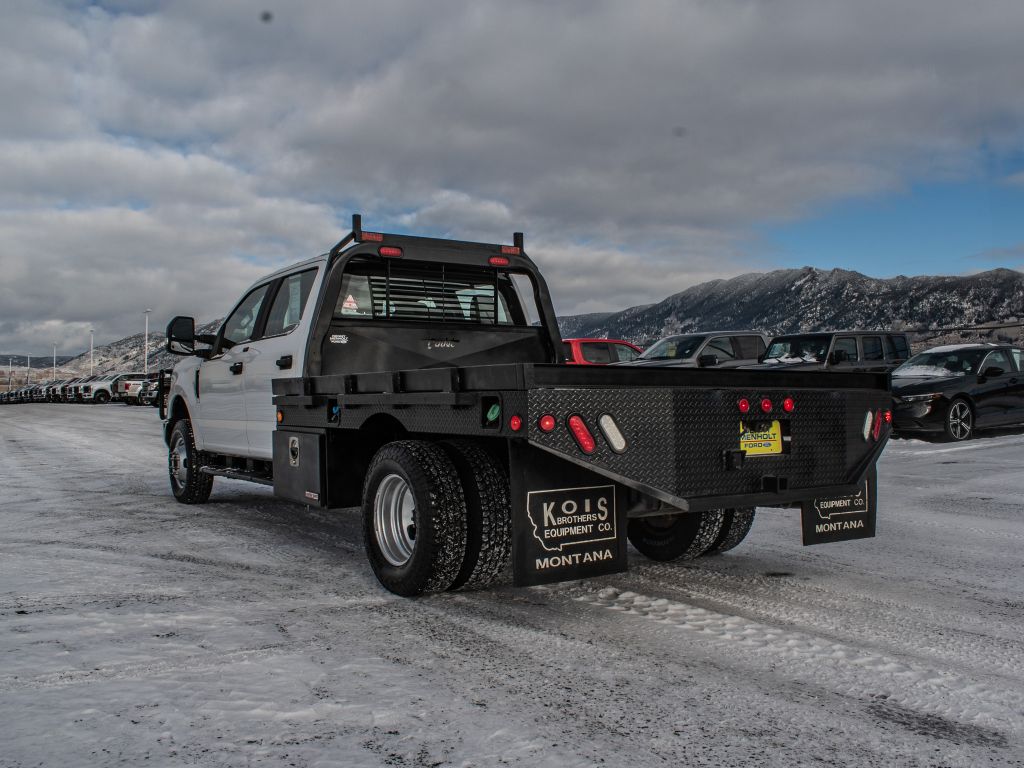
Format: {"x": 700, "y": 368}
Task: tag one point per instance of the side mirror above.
{"x": 839, "y": 356}
{"x": 707, "y": 361}
{"x": 992, "y": 372}
{"x": 181, "y": 336}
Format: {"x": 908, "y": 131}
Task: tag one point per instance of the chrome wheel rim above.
{"x": 394, "y": 520}
{"x": 177, "y": 461}
{"x": 960, "y": 421}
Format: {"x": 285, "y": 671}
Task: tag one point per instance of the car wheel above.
{"x": 488, "y": 514}
{"x": 102, "y": 397}
{"x": 736, "y": 525}
{"x": 671, "y": 537}
{"x": 959, "y": 422}
{"x": 188, "y": 483}
{"x": 414, "y": 518}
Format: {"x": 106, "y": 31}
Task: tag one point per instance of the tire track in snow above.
{"x": 843, "y": 668}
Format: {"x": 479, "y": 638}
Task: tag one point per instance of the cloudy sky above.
{"x": 166, "y": 154}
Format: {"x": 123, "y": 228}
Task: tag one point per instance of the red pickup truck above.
{"x": 599, "y": 351}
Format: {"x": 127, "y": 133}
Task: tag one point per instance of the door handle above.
{"x": 235, "y": 368}
{"x": 284, "y": 361}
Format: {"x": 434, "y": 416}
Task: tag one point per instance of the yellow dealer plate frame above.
{"x": 762, "y": 442}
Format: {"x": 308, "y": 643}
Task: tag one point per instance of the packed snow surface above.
{"x": 248, "y": 631}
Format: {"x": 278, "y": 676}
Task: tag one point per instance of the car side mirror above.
{"x": 707, "y": 361}
{"x": 181, "y": 336}
{"x": 992, "y": 372}
{"x": 839, "y": 356}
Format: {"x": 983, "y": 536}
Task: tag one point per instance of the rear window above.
{"x": 872, "y": 348}
{"x": 902, "y": 348}
{"x": 596, "y": 352}
{"x": 432, "y": 293}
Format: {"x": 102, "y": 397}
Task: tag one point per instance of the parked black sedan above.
{"x": 954, "y": 390}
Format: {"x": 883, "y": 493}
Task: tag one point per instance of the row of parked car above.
{"x": 129, "y": 388}
{"x": 947, "y": 391}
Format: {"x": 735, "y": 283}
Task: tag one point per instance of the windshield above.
{"x": 804, "y": 349}
{"x": 952, "y": 362}
{"x": 673, "y": 348}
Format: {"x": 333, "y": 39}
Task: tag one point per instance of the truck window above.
{"x": 721, "y": 346}
{"x": 242, "y": 323}
{"x": 872, "y": 348}
{"x": 596, "y": 352}
{"x": 624, "y": 353}
{"x": 1018, "y": 358}
{"x": 429, "y": 293}
{"x": 899, "y": 341}
{"x": 847, "y": 344}
{"x": 748, "y": 347}
{"x": 289, "y": 303}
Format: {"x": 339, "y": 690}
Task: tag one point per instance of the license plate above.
{"x": 761, "y": 439}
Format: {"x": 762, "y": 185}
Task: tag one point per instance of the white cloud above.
{"x": 167, "y": 153}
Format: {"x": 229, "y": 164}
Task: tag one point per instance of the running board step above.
{"x": 238, "y": 474}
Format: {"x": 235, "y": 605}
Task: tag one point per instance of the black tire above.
{"x": 674, "y": 537}
{"x": 189, "y": 485}
{"x": 102, "y": 397}
{"x": 736, "y": 525}
{"x": 488, "y": 514}
{"x": 425, "y": 552}
{"x": 958, "y": 423}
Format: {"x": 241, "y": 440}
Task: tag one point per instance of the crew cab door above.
{"x": 277, "y": 354}
{"x": 221, "y": 420}
{"x": 993, "y": 399}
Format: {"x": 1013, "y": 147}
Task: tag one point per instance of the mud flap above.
{"x": 567, "y": 522}
{"x": 841, "y": 518}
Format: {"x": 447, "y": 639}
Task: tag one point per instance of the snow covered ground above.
{"x": 137, "y": 631}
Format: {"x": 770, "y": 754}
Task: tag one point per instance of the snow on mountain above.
{"x": 809, "y": 299}
{"x": 128, "y": 354}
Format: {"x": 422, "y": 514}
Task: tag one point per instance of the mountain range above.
{"x": 809, "y": 299}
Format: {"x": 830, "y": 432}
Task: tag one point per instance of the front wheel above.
{"x": 414, "y": 518}
{"x": 189, "y": 484}
{"x": 101, "y": 397}
{"x": 959, "y": 423}
{"x": 672, "y": 537}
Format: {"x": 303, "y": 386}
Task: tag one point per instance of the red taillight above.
{"x": 876, "y": 431}
{"x": 788, "y": 405}
{"x": 498, "y": 261}
{"x": 766, "y": 405}
{"x": 546, "y": 422}
{"x": 375, "y": 237}
{"x": 579, "y": 430}
{"x": 511, "y": 250}
{"x": 389, "y": 251}
{"x": 888, "y": 417}
{"x": 515, "y": 423}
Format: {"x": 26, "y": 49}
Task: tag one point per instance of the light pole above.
{"x": 145, "y": 353}
{"x": 54, "y": 361}
{"x": 92, "y": 332}
{"x": 28, "y": 370}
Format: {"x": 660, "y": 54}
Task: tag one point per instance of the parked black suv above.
{"x": 838, "y": 350}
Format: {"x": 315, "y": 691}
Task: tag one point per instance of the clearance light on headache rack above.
{"x": 510, "y": 250}
{"x": 373, "y": 237}
{"x": 390, "y": 251}
{"x": 579, "y": 430}
{"x": 498, "y": 261}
